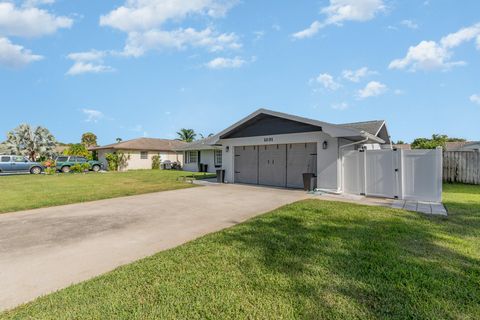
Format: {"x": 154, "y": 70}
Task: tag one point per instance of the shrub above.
{"x": 80, "y": 167}
{"x": 156, "y": 162}
{"x": 78, "y": 150}
{"x": 117, "y": 160}
{"x": 50, "y": 166}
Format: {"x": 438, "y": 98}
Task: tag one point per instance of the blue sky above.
{"x": 131, "y": 68}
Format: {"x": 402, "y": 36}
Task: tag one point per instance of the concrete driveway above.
{"x": 44, "y": 250}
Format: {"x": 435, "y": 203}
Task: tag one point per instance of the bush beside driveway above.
{"x": 22, "y": 192}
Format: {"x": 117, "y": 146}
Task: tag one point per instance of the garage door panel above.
{"x": 272, "y": 165}
{"x": 246, "y": 164}
{"x": 301, "y": 158}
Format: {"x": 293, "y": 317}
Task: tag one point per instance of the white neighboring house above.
{"x": 202, "y": 153}
{"x": 141, "y": 151}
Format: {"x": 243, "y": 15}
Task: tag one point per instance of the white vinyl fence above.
{"x": 398, "y": 174}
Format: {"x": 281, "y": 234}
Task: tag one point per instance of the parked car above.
{"x": 11, "y": 164}
{"x": 65, "y": 162}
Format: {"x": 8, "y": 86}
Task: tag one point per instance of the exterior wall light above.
{"x": 227, "y": 148}
{"x": 325, "y": 145}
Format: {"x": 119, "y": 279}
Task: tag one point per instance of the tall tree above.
{"x": 78, "y": 149}
{"x": 187, "y": 135}
{"x": 33, "y": 143}
{"x": 119, "y": 140}
{"x": 89, "y": 139}
{"x": 437, "y": 140}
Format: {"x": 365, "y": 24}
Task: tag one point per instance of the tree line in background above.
{"x": 437, "y": 140}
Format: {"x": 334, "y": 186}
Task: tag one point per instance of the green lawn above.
{"x": 20, "y": 192}
{"x": 308, "y": 260}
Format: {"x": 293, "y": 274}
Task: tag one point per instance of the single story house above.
{"x": 202, "y": 155}
{"x": 140, "y": 152}
{"x": 274, "y": 149}
{"x": 462, "y": 146}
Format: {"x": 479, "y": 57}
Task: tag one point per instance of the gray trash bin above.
{"x": 309, "y": 181}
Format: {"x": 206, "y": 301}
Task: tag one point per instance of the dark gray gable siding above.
{"x": 266, "y": 125}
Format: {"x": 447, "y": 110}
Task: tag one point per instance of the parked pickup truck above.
{"x": 65, "y": 162}
{"x": 12, "y": 164}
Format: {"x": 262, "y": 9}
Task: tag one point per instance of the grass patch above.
{"x": 21, "y": 192}
{"x": 308, "y": 260}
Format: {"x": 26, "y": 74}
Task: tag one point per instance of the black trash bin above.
{"x": 205, "y": 168}
{"x": 200, "y": 167}
{"x": 309, "y": 181}
{"x": 220, "y": 176}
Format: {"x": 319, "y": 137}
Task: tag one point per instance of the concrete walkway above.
{"x": 44, "y": 250}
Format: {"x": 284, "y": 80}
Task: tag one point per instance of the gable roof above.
{"x": 372, "y": 127}
{"x": 333, "y": 130}
{"x": 147, "y": 144}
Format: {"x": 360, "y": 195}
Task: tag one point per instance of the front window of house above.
{"x": 192, "y": 157}
{"x": 144, "y": 155}
{"x": 218, "y": 157}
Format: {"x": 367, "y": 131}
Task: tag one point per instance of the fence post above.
{"x": 400, "y": 174}
{"x": 439, "y": 170}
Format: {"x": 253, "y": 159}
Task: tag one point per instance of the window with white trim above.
{"x": 144, "y": 155}
{"x": 192, "y": 156}
{"x": 218, "y": 157}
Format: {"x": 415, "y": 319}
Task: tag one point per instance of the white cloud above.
{"x": 310, "y": 31}
{"x": 36, "y": 3}
{"x": 88, "y": 62}
{"x": 475, "y": 98}
{"x": 29, "y": 21}
{"x": 340, "y": 11}
{"x": 430, "y": 55}
{"x": 226, "y": 63}
{"x": 340, "y": 106}
{"x": 327, "y": 81}
{"x": 144, "y": 22}
{"x": 92, "y": 115}
{"x": 409, "y": 24}
{"x": 15, "y": 56}
{"x": 138, "y": 15}
{"x": 357, "y": 75}
{"x": 463, "y": 35}
{"x": 140, "y": 42}
{"x": 372, "y": 89}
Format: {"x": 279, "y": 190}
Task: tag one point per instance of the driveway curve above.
{"x": 47, "y": 249}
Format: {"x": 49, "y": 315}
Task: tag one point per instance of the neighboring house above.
{"x": 140, "y": 152}
{"x": 403, "y": 146}
{"x": 202, "y": 153}
{"x": 275, "y": 149}
{"x": 462, "y": 146}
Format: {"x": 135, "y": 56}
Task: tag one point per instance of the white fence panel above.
{"x": 403, "y": 174}
{"x": 380, "y": 173}
{"x": 353, "y": 172}
{"x": 422, "y": 175}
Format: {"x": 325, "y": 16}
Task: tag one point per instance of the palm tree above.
{"x": 26, "y": 141}
{"x": 187, "y": 135}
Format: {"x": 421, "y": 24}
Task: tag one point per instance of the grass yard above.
{"x": 308, "y": 260}
{"x": 20, "y": 192}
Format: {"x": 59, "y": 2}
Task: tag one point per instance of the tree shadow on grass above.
{"x": 347, "y": 261}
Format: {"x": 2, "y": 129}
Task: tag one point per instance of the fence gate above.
{"x": 403, "y": 174}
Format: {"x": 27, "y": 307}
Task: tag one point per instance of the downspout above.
{"x": 341, "y": 155}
